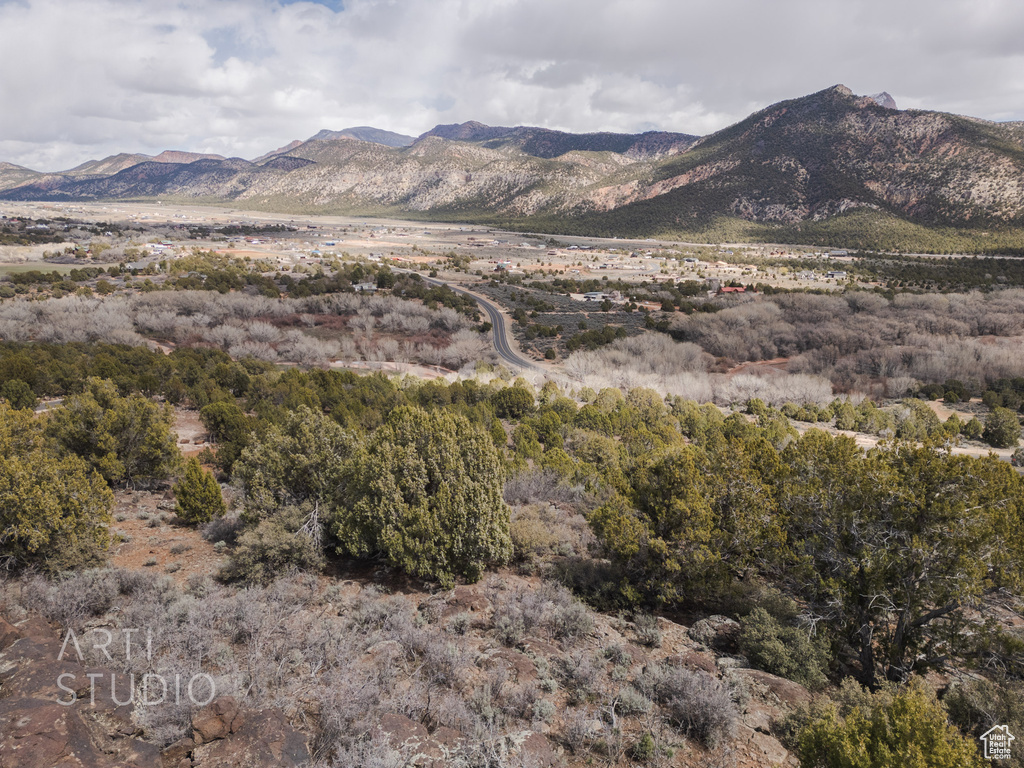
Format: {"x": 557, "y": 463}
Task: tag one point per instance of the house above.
{"x": 595, "y": 296}
{"x": 836, "y": 273}
{"x": 732, "y": 289}
{"x": 365, "y": 287}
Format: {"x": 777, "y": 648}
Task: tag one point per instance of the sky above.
{"x": 83, "y": 79}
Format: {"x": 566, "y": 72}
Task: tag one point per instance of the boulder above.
{"x": 534, "y": 749}
{"x": 35, "y": 733}
{"x": 694, "y": 661}
{"x": 262, "y": 739}
{"x": 718, "y": 632}
{"x": 8, "y": 634}
{"x": 773, "y": 689}
{"x": 93, "y": 731}
{"x": 216, "y": 720}
{"x": 518, "y": 664}
{"x": 401, "y": 731}
{"x": 755, "y": 749}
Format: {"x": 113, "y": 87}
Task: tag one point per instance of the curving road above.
{"x": 501, "y": 345}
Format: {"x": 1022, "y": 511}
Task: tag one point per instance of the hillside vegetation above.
{"x": 810, "y": 558}
{"x": 829, "y": 169}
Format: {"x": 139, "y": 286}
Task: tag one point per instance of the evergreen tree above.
{"x": 1002, "y": 429}
{"x": 126, "y": 439}
{"x": 427, "y": 494}
{"x": 54, "y": 510}
{"x": 884, "y": 730}
{"x": 198, "y": 497}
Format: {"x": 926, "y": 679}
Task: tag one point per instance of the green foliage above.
{"x": 230, "y": 427}
{"x": 663, "y": 535}
{"x": 783, "y": 650}
{"x": 977, "y": 705}
{"x": 908, "y": 728}
{"x": 525, "y": 442}
{"x": 298, "y": 461}
{"x": 274, "y": 546}
{"x": 54, "y": 509}
{"x": 1002, "y": 429}
{"x": 643, "y": 750}
{"x": 972, "y": 429}
{"x": 595, "y": 338}
{"x": 197, "y": 495}
{"x": 126, "y": 439}
{"x": 885, "y": 544}
{"x": 916, "y": 421}
{"x": 18, "y": 394}
{"x": 512, "y": 402}
{"x": 691, "y": 518}
{"x": 426, "y": 492}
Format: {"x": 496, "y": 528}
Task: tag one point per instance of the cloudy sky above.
{"x": 83, "y": 79}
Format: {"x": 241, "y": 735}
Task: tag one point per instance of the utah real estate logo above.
{"x": 997, "y": 742}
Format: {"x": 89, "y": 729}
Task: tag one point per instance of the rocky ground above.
{"x": 575, "y": 726}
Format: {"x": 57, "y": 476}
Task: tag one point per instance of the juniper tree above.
{"x": 426, "y": 493}
{"x": 197, "y": 496}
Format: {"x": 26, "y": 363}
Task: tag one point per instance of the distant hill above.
{"x": 108, "y": 165}
{"x": 366, "y": 133}
{"x": 359, "y": 133}
{"x": 542, "y": 142}
{"x": 821, "y": 155}
{"x": 12, "y": 175}
{"x": 801, "y": 166}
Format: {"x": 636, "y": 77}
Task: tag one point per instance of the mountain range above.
{"x": 793, "y": 165}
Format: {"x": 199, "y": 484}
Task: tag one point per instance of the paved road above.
{"x": 504, "y": 349}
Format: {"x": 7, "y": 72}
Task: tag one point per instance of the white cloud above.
{"x": 86, "y": 78}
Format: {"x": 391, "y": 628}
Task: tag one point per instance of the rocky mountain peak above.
{"x": 883, "y": 99}
{"x": 468, "y": 131}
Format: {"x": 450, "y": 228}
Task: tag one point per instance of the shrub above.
{"x": 126, "y": 439}
{"x": 427, "y": 493}
{"x": 301, "y": 460}
{"x": 530, "y": 535}
{"x": 460, "y": 623}
{"x": 647, "y": 631}
{"x": 73, "y": 600}
{"x": 197, "y": 496}
{"x": 630, "y": 701}
{"x": 786, "y": 651}
{"x": 696, "y": 703}
{"x": 273, "y": 547}
{"x": 223, "y": 530}
{"x": 544, "y": 710}
{"x": 512, "y": 402}
{"x": 571, "y": 621}
{"x": 18, "y": 394}
{"x": 976, "y": 705}
{"x": 578, "y": 674}
{"x": 643, "y": 750}
{"x": 1002, "y": 429}
{"x": 54, "y": 510}
{"x": 885, "y": 729}
{"x": 577, "y": 729}
{"x": 972, "y": 429}
{"x": 617, "y": 655}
